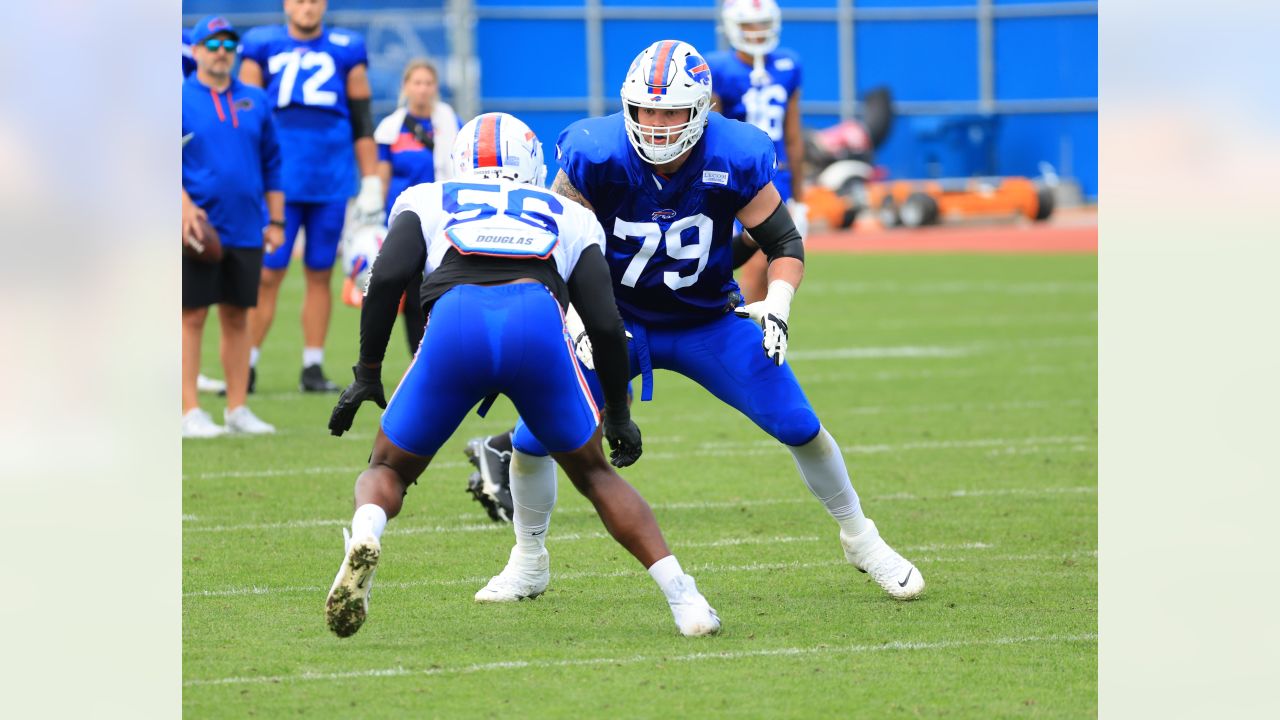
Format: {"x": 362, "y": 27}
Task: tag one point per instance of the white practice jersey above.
{"x": 500, "y": 218}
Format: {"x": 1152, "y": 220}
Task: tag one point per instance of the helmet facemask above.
{"x": 765, "y": 19}
{"x": 668, "y": 75}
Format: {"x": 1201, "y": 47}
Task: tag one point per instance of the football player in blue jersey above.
{"x": 502, "y": 256}
{"x": 666, "y": 178}
{"x": 759, "y": 83}
{"x": 317, "y": 78}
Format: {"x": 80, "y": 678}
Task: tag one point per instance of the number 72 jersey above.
{"x": 306, "y": 73}
{"x": 306, "y": 83}
{"x": 668, "y": 239}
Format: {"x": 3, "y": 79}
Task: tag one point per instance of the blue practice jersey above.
{"x": 667, "y": 240}
{"x": 764, "y": 106}
{"x": 188, "y": 60}
{"x": 306, "y": 81}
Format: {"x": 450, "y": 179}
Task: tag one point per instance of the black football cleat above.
{"x": 313, "y": 380}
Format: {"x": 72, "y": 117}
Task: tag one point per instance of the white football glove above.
{"x": 581, "y": 343}
{"x": 369, "y": 203}
{"x": 800, "y": 216}
{"x": 771, "y": 313}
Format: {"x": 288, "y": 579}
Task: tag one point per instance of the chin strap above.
{"x": 759, "y": 76}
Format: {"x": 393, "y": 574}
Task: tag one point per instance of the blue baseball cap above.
{"x": 210, "y": 26}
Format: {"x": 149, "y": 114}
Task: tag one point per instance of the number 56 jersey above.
{"x": 519, "y": 230}
{"x": 668, "y": 238}
{"x": 306, "y": 81}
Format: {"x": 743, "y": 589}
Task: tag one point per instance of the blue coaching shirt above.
{"x": 764, "y": 106}
{"x": 232, "y": 158}
{"x": 667, "y": 239}
{"x": 306, "y": 81}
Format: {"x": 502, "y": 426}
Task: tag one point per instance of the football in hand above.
{"x": 208, "y": 248}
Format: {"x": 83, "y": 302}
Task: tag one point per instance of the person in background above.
{"x": 758, "y": 83}
{"x": 318, "y": 82}
{"x": 414, "y": 143}
{"x": 230, "y": 164}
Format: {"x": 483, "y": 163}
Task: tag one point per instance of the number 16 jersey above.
{"x": 668, "y": 238}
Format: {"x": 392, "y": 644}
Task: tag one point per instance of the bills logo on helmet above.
{"x": 664, "y": 214}
{"x": 697, "y": 69}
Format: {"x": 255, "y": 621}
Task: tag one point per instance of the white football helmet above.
{"x": 360, "y": 249}
{"x": 668, "y": 75}
{"x": 498, "y": 145}
{"x": 762, "y": 41}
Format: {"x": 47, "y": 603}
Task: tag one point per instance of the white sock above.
{"x": 533, "y": 496}
{"x": 312, "y": 356}
{"x": 664, "y": 572}
{"x": 369, "y": 520}
{"x": 822, "y": 466}
{"x": 253, "y": 357}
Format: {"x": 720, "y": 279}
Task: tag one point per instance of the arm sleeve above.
{"x": 777, "y": 236}
{"x": 270, "y": 156}
{"x": 591, "y": 292}
{"x": 403, "y": 255}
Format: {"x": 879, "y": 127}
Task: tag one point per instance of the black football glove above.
{"x": 623, "y": 437}
{"x": 367, "y": 386}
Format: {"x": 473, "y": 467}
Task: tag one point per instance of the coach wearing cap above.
{"x": 230, "y": 163}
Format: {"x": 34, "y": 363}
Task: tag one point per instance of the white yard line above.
{"x": 703, "y": 505}
{"x": 704, "y": 568}
{"x": 938, "y": 351}
{"x": 724, "y": 447}
{"x": 849, "y": 287}
{"x": 731, "y": 655}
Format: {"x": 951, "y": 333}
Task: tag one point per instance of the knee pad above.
{"x": 796, "y": 427}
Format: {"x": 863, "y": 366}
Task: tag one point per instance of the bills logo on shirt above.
{"x": 664, "y": 214}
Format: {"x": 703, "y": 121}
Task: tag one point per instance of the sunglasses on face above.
{"x": 227, "y": 44}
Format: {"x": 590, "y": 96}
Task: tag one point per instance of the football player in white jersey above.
{"x": 501, "y": 257}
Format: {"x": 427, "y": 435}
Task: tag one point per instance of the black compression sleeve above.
{"x": 742, "y": 252}
{"x": 778, "y": 236}
{"x": 402, "y": 257}
{"x": 361, "y": 117}
{"x": 591, "y": 292}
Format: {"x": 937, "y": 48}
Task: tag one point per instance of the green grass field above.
{"x": 963, "y": 390}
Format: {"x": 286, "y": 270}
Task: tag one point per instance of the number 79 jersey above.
{"x": 668, "y": 239}
{"x": 499, "y": 218}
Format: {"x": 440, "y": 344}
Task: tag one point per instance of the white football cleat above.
{"x": 693, "y": 614}
{"x": 242, "y": 420}
{"x": 872, "y": 555}
{"x": 206, "y": 384}
{"x": 348, "y": 603}
{"x": 198, "y": 424}
{"x": 525, "y": 576}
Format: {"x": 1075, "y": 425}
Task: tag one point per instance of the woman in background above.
{"x": 413, "y": 148}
